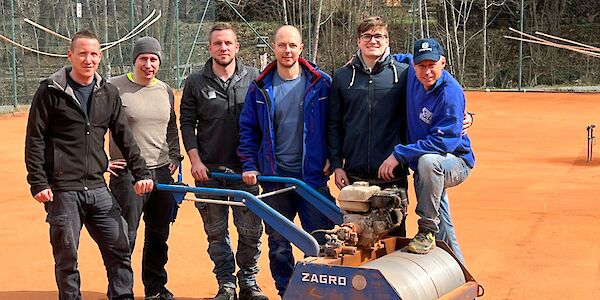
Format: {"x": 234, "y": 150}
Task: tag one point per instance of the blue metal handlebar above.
{"x": 320, "y": 202}
{"x": 303, "y": 240}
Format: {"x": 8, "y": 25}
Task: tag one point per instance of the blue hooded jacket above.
{"x": 257, "y": 135}
{"x": 435, "y": 119}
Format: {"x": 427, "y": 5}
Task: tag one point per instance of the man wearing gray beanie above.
{"x": 147, "y": 45}
{"x": 148, "y": 107}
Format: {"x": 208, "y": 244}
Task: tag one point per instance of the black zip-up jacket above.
{"x": 64, "y": 148}
{"x": 209, "y": 114}
{"x": 367, "y": 116}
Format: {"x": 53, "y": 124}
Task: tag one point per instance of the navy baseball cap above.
{"x": 427, "y": 49}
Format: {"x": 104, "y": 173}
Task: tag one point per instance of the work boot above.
{"x": 252, "y": 293}
{"x": 226, "y": 293}
{"x": 165, "y": 295}
{"x": 422, "y": 243}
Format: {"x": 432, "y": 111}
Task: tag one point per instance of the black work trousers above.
{"x": 97, "y": 210}
{"x": 159, "y": 209}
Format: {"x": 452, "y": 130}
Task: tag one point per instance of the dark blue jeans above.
{"x": 249, "y": 227}
{"x": 290, "y": 204}
{"x": 67, "y": 214}
{"x": 157, "y": 207}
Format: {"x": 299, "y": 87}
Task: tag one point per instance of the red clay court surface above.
{"x": 528, "y": 218}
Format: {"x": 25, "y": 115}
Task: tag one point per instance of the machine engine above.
{"x": 370, "y": 214}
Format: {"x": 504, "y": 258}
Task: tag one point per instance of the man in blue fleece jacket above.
{"x": 437, "y": 151}
{"x": 282, "y": 132}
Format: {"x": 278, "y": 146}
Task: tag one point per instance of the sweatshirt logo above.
{"x": 425, "y": 115}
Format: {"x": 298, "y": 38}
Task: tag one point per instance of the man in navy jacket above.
{"x": 282, "y": 132}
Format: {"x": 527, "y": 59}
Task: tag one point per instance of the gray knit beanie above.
{"x": 146, "y": 44}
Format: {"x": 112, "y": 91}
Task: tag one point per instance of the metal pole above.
{"x": 79, "y": 10}
{"x": 14, "y": 53}
{"x": 590, "y": 142}
{"x": 177, "y": 77}
{"x": 213, "y": 201}
{"x": 187, "y": 62}
{"x": 131, "y": 21}
{"x": 521, "y": 50}
{"x": 283, "y": 190}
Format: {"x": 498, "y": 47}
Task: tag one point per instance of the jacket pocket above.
{"x": 213, "y": 105}
{"x": 61, "y": 234}
{"x": 57, "y": 161}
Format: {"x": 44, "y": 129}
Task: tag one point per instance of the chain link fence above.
{"x": 472, "y": 32}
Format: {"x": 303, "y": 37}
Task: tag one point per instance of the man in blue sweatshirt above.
{"x": 437, "y": 151}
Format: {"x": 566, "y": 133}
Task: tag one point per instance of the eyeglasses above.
{"x": 366, "y": 37}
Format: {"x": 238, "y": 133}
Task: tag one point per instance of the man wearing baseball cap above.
{"x": 437, "y": 151}
{"x": 148, "y": 105}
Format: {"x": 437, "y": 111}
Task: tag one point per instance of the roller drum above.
{"x": 416, "y": 276}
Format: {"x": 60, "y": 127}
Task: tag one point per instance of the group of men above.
{"x": 380, "y": 114}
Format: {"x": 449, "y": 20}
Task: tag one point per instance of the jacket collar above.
{"x": 310, "y": 69}
{"x": 240, "y": 69}
{"x": 384, "y": 61}
{"x": 58, "y": 80}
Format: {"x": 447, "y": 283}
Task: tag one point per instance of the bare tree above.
{"x": 317, "y": 28}
{"x": 116, "y": 26}
{"x": 285, "y": 12}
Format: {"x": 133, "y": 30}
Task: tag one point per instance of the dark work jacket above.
{"x": 367, "y": 117}
{"x": 209, "y": 115}
{"x": 64, "y": 148}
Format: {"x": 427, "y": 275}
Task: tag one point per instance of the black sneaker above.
{"x": 166, "y": 295}
{"x": 226, "y": 293}
{"x": 252, "y": 293}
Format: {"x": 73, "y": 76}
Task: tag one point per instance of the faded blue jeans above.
{"x": 435, "y": 173}
{"x": 249, "y": 227}
{"x": 290, "y": 204}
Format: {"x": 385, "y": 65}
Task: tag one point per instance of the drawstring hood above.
{"x": 367, "y": 110}
{"x": 353, "y": 76}
{"x": 384, "y": 61}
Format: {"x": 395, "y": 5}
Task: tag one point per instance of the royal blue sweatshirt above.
{"x": 435, "y": 121}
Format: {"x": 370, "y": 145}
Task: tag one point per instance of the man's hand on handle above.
{"x": 249, "y": 177}
{"x": 143, "y": 186}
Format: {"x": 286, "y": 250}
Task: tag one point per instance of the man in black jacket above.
{"x": 64, "y": 154}
{"x": 367, "y": 111}
{"x": 367, "y": 105}
{"x": 210, "y": 109}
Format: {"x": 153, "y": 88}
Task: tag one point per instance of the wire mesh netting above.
{"x": 473, "y": 32}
